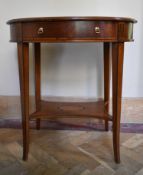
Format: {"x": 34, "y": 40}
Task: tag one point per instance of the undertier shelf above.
{"x": 54, "y": 110}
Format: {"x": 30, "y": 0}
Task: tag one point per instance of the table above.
{"x": 112, "y": 31}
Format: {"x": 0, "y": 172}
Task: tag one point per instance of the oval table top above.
{"x": 72, "y": 18}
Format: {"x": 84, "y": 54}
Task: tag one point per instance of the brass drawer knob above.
{"x": 40, "y": 30}
{"x": 97, "y": 29}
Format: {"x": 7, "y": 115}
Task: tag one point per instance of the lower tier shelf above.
{"x": 54, "y": 110}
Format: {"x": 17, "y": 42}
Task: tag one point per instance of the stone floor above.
{"x": 70, "y": 153}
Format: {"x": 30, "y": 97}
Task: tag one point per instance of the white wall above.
{"x": 72, "y": 69}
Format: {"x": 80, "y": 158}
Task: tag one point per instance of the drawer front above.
{"x": 70, "y": 29}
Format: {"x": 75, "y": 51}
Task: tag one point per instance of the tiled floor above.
{"x": 70, "y": 153}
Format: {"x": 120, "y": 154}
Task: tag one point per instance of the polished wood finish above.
{"x": 23, "y": 59}
{"x": 54, "y": 110}
{"x": 72, "y": 18}
{"x": 109, "y": 30}
{"x": 106, "y": 79}
{"x": 117, "y": 72}
{"x": 37, "y": 55}
{"x": 71, "y": 29}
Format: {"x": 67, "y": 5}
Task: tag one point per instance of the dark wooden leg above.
{"x": 117, "y": 71}
{"x": 23, "y": 59}
{"x": 106, "y": 80}
{"x": 37, "y": 52}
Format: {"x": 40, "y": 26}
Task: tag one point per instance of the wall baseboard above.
{"x": 132, "y": 108}
{"x": 58, "y": 125}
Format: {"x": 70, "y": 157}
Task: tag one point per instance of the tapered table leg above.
{"x": 106, "y": 79}
{"x": 37, "y": 53}
{"x": 23, "y": 59}
{"x": 117, "y": 72}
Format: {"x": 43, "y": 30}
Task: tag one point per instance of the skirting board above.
{"x": 58, "y": 125}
